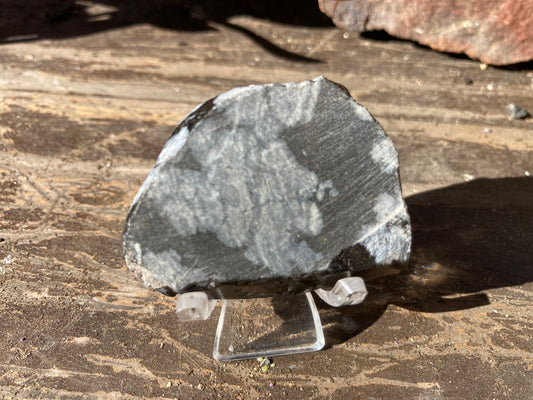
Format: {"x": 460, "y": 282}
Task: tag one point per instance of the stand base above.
{"x": 266, "y": 327}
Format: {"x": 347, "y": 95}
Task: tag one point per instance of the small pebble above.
{"x": 516, "y": 112}
{"x": 264, "y": 361}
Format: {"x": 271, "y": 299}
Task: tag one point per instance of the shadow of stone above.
{"x": 56, "y": 19}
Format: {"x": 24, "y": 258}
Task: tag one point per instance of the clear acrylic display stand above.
{"x": 264, "y": 327}
{"x": 274, "y": 326}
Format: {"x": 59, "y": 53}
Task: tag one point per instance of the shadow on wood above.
{"x": 34, "y": 20}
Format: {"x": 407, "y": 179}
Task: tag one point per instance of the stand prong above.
{"x": 194, "y": 306}
{"x": 347, "y": 291}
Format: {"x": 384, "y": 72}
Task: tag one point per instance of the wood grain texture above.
{"x": 83, "y": 115}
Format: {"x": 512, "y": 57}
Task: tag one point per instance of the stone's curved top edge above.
{"x": 242, "y": 90}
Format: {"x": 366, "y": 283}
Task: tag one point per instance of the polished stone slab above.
{"x": 267, "y": 190}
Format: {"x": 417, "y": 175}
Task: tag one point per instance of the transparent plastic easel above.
{"x": 266, "y": 327}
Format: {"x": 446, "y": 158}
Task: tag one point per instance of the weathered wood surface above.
{"x": 85, "y": 109}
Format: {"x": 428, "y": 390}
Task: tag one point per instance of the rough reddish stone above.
{"x": 497, "y": 32}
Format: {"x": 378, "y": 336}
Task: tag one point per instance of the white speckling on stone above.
{"x": 361, "y": 112}
{"x": 320, "y": 192}
{"x": 173, "y": 145}
{"x": 384, "y": 154}
{"x": 135, "y": 265}
{"x": 296, "y": 109}
{"x": 229, "y": 96}
{"x": 138, "y": 252}
{"x": 323, "y": 187}
{"x": 386, "y": 206}
{"x": 165, "y": 266}
{"x": 387, "y": 242}
{"x": 299, "y": 109}
{"x": 315, "y": 219}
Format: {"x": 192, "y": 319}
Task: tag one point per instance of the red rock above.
{"x": 497, "y": 32}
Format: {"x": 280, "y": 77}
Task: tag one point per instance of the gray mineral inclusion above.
{"x": 269, "y": 190}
